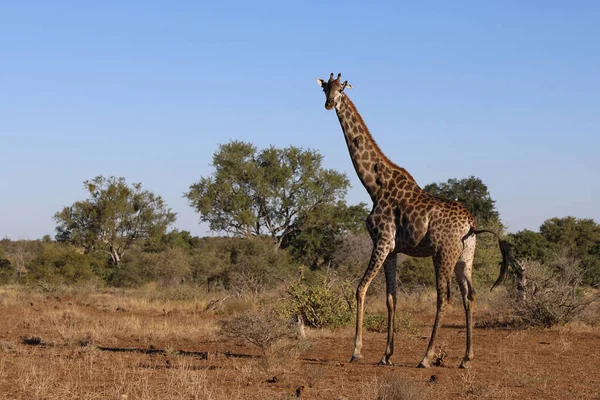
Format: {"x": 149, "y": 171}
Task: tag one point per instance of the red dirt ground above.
{"x": 517, "y": 364}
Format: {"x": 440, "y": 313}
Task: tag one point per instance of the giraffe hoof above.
{"x": 383, "y": 361}
{"x": 464, "y": 365}
{"x": 355, "y": 358}
{"x": 424, "y": 364}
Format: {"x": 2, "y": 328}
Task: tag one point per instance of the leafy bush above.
{"x": 378, "y": 322}
{"x": 61, "y": 264}
{"x": 7, "y": 272}
{"x": 256, "y": 265}
{"x": 415, "y": 272}
{"x": 322, "y": 305}
{"x": 590, "y": 265}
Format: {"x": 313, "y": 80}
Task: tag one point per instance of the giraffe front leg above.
{"x": 389, "y": 268}
{"x": 380, "y": 252}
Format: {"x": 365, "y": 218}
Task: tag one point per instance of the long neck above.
{"x": 370, "y": 163}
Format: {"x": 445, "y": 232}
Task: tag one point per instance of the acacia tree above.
{"x": 113, "y": 217}
{"x": 267, "y": 192}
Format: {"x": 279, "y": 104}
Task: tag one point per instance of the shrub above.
{"x": 256, "y": 266}
{"x": 378, "y": 322}
{"x": 57, "y": 264}
{"x": 322, "y": 305}
{"x": 7, "y": 272}
{"x": 261, "y": 329}
{"x": 246, "y": 267}
{"x": 415, "y": 272}
{"x": 267, "y": 331}
{"x": 351, "y": 255}
{"x": 554, "y": 294}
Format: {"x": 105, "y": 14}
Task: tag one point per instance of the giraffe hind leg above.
{"x": 463, "y": 271}
{"x": 389, "y": 266}
{"x": 444, "y": 264}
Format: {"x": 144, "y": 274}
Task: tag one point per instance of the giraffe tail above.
{"x": 505, "y": 249}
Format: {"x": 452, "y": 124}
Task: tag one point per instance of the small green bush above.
{"x": 322, "y": 305}
{"x": 57, "y": 264}
{"x": 7, "y": 272}
{"x": 376, "y": 322}
{"x": 416, "y": 272}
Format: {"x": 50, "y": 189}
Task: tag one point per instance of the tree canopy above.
{"x": 470, "y": 192}
{"x": 580, "y": 236}
{"x": 113, "y": 217}
{"x": 268, "y": 192}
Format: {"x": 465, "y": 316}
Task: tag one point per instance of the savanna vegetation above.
{"x": 288, "y": 254}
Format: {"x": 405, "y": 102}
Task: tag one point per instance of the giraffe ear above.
{"x": 321, "y": 82}
{"x": 347, "y": 85}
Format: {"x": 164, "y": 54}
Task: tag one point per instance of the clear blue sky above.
{"x": 508, "y": 91}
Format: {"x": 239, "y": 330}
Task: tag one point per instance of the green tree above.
{"x": 530, "y": 245}
{"x": 323, "y": 229}
{"x": 113, "y": 217}
{"x": 7, "y": 272}
{"x": 470, "y": 192}
{"x": 474, "y": 195}
{"x": 267, "y": 192}
{"x": 20, "y": 253}
{"x": 579, "y": 236}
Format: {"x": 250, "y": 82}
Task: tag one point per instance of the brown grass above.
{"x": 144, "y": 344}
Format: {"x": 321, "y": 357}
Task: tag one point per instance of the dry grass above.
{"x": 82, "y": 376}
{"x": 398, "y": 387}
{"x": 175, "y": 351}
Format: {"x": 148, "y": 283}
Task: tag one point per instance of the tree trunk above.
{"x": 115, "y": 257}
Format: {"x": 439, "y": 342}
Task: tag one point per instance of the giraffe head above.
{"x": 333, "y": 90}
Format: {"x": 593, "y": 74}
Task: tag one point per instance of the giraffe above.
{"x": 406, "y": 219}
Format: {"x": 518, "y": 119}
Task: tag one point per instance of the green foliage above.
{"x": 322, "y": 229}
{"x": 580, "y": 236}
{"x": 322, "y": 305}
{"x": 416, "y": 272}
{"x": 266, "y": 192}
{"x": 470, "y": 192}
{"x": 7, "y": 272}
{"x": 175, "y": 238}
{"x": 375, "y": 322}
{"x": 529, "y": 245}
{"x": 255, "y": 265}
{"x": 590, "y": 264}
{"x": 113, "y": 217}
{"x": 61, "y": 264}
{"x": 210, "y": 262}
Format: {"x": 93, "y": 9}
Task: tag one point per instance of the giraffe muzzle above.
{"x": 329, "y": 104}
